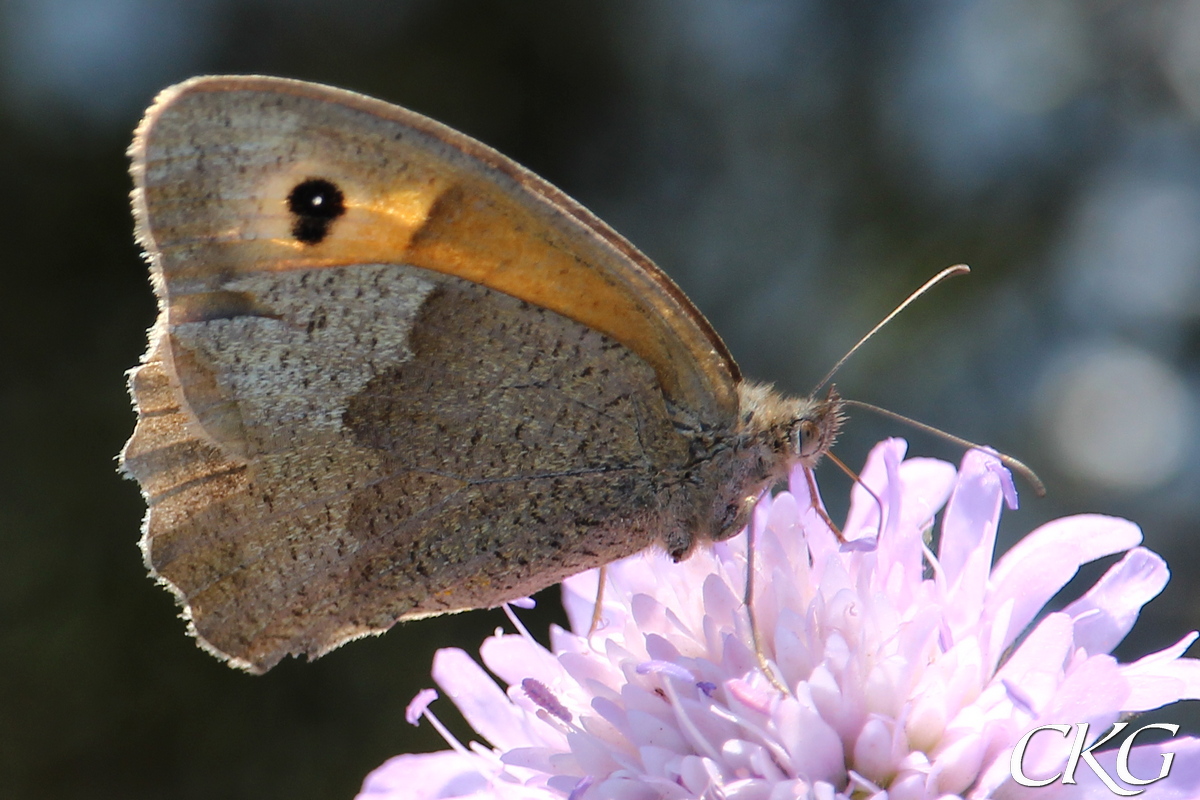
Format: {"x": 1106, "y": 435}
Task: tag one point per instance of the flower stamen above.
{"x": 516, "y": 621}
{"x": 543, "y": 698}
{"x": 419, "y": 707}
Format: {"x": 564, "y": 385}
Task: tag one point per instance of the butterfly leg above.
{"x": 759, "y": 654}
{"x": 817, "y": 507}
{"x": 601, "y": 579}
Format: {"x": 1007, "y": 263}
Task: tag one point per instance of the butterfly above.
{"x": 394, "y": 374}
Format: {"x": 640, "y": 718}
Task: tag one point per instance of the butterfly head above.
{"x": 814, "y": 427}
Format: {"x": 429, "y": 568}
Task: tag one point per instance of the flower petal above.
{"x": 1158, "y": 679}
{"x": 426, "y": 776}
{"x": 513, "y": 658}
{"x": 483, "y": 704}
{"x": 1039, "y": 565}
{"x": 1108, "y": 610}
{"x": 878, "y": 474}
{"x": 969, "y": 537}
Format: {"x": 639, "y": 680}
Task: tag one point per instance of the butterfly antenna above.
{"x": 1016, "y": 466}
{"x": 948, "y": 272}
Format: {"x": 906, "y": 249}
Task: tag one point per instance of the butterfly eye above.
{"x": 807, "y": 438}
{"x": 314, "y": 205}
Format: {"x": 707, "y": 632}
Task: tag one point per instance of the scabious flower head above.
{"x": 909, "y": 674}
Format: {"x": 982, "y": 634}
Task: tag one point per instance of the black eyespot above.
{"x": 315, "y": 204}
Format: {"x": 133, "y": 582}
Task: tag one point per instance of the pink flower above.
{"x": 910, "y": 675}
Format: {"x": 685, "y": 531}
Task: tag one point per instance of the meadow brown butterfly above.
{"x": 394, "y": 375}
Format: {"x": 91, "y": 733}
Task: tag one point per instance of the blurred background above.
{"x": 798, "y": 166}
